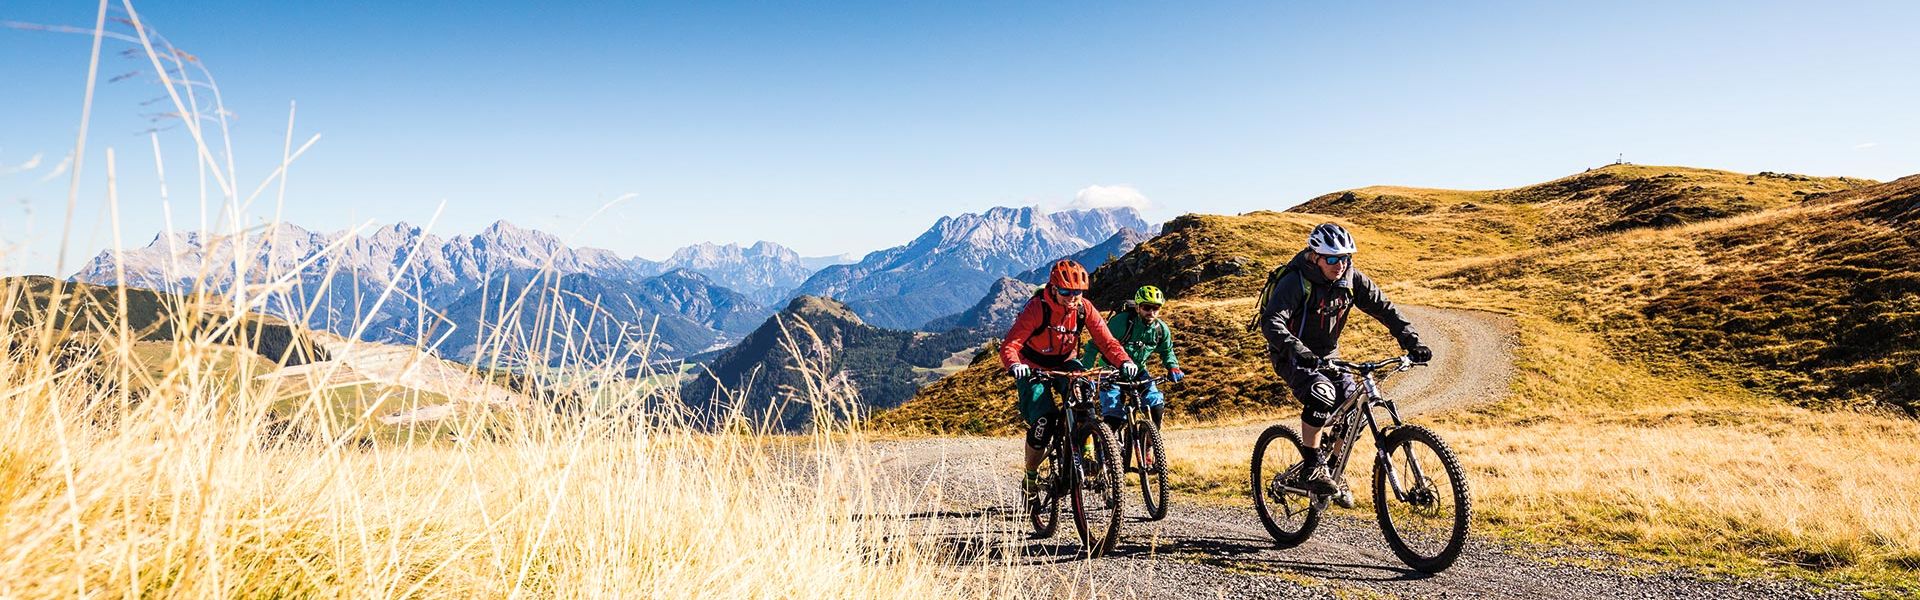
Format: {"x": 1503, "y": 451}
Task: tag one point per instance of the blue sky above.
{"x": 852, "y": 126}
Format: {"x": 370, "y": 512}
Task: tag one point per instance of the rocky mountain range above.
{"x": 948, "y": 268}
{"x": 584, "y": 318}
{"x": 400, "y": 284}
{"x": 764, "y": 271}
{"x": 1093, "y": 258}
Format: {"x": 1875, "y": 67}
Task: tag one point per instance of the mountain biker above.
{"x": 1143, "y": 334}
{"x": 1301, "y": 319}
{"x": 1046, "y": 336}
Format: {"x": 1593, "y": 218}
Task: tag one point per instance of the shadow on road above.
{"x": 976, "y": 514}
{"x": 1001, "y": 535}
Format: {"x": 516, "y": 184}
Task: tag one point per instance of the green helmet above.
{"x": 1149, "y": 295}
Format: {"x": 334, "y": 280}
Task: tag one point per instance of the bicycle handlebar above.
{"x": 1089, "y": 373}
{"x": 1135, "y": 382}
{"x": 1398, "y": 363}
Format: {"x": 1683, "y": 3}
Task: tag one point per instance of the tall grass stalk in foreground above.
{"x": 173, "y": 458}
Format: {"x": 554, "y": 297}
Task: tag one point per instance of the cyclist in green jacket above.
{"x": 1142, "y": 334}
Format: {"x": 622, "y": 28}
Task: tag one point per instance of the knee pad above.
{"x": 1318, "y": 402}
{"x": 1315, "y": 418}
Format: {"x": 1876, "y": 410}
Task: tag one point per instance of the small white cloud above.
{"x": 1109, "y": 196}
{"x": 31, "y": 164}
{"x": 1865, "y": 146}
{"x": 58, "y": 169}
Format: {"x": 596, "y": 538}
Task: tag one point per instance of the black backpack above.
{"x": 1128, "y": 334}
{"x": 1266, "y": 293}
{"x": 1046, "y": 315}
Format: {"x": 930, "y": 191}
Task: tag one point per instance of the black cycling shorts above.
{"x": 1041, "y": 431}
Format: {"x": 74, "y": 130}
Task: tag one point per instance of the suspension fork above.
{"x": 1066, "y": 473}
{"x": 1380, "y": 441}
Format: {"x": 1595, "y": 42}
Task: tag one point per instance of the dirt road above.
{"x": 1208, "y": 550}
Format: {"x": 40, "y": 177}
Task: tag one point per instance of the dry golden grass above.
{"x": 191, "y": 495}
{"x": 1683, "y": 467}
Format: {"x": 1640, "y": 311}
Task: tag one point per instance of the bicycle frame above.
{"x": 1075, "y": 393}
{"x": 1363, "y": 405}
{"x": 1133, "y": 396}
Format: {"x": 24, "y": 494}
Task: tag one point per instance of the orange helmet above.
{"x": 1068, "y": 275}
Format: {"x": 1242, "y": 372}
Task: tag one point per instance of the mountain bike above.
{"x": 1090, "y": 483}
{"x": 1142, "y": 452}
{"x": 1420, "y": 494}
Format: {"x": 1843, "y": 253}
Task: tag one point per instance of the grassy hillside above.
{"x": 1817, "y": 304}
{"x": 67, "y": 310}
{"x": 1604, "y": 200}
{"x": 772, "y": 371}
{"x": 364, "y": 393}
{"x": 1711, "y": 333}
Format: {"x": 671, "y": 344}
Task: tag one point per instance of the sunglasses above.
{"x": 1335, "y": 259}
{"x": 1070, "y": 293}
{"x": 1149, "y": 307}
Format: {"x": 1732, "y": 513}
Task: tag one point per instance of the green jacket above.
{"x": 1140, "y": 339}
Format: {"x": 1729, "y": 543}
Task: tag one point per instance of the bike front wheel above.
{"x": 1150, "y": 461}
{"x": 1096, "y": 494}
{"x": 1043, "y": 505}
{"x": 1421, "y": 498}
{"x": 1290, "y": 514}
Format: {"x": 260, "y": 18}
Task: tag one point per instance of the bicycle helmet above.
{"x": 1148, "y": 294}
{"x": 1330, "y": 239}
{"x": 1068, "y": 275}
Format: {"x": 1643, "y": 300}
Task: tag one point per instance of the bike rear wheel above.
{"x": 1289, "y": 514}
{"x": 1426, "y": 522}
{"x": 1096, "y": 500}
{"x": 1149, "y": 455}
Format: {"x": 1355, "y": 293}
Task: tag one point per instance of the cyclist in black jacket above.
{"x": 1301, "y": 317}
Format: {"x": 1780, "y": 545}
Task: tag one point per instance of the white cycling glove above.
{"x": 1020, "y": 370}
{"x": 1130, "y": 370}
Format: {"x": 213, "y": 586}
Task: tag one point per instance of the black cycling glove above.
{"x": 1420, "y": 353}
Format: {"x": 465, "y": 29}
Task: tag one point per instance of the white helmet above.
{"x": 1328, "y": 239}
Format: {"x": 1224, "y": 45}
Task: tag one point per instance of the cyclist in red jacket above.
{"x": 1046, "y": 336}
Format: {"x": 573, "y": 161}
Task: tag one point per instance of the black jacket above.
{"x": 1297, "y": 321}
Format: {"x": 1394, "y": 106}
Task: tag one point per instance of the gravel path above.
{"x": 1207, "y": 550}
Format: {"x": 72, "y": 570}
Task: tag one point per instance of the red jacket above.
{"x": 1048, "y": 345}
